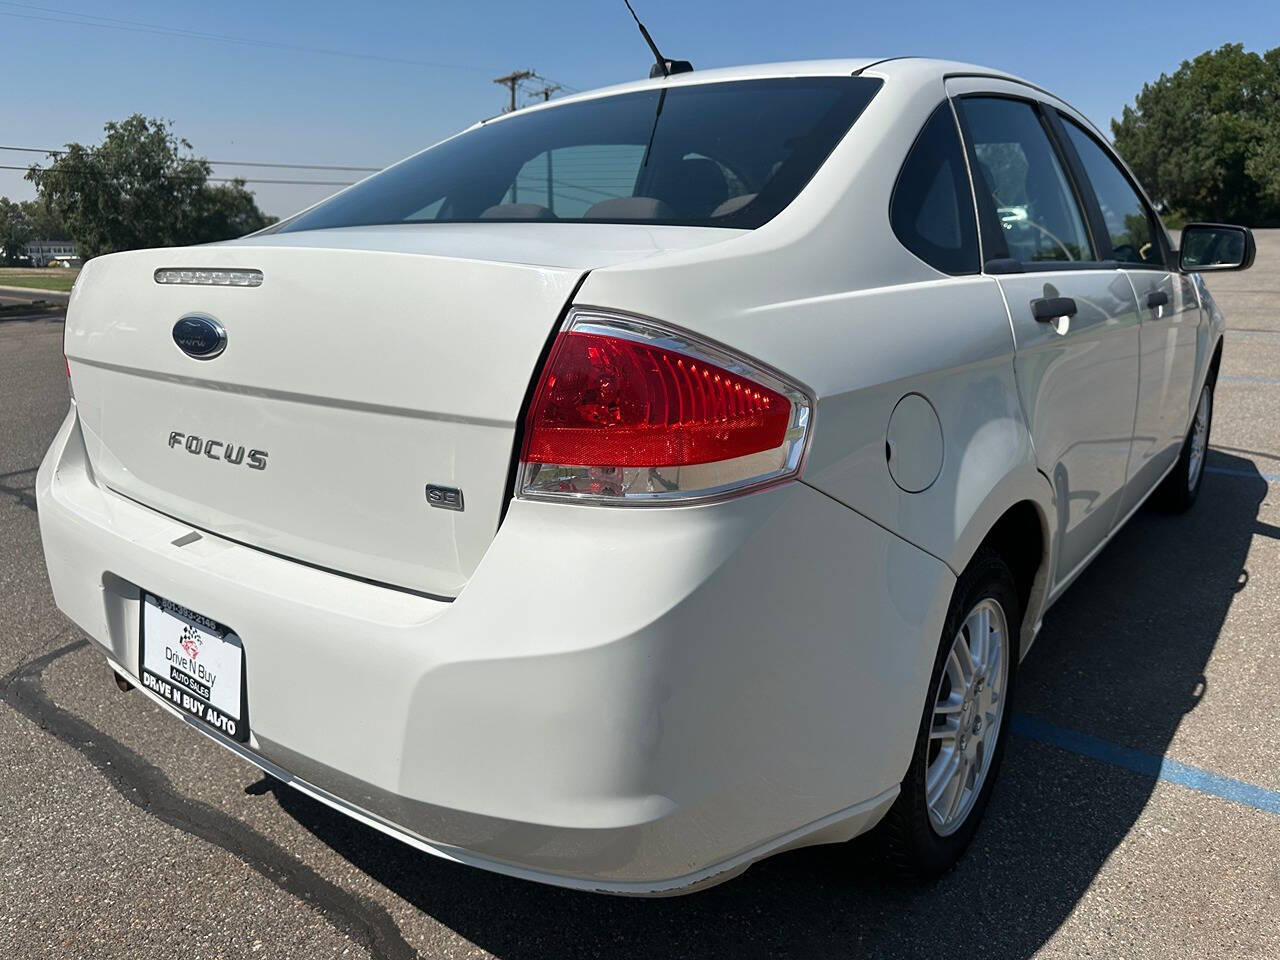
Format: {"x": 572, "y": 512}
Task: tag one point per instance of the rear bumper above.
{"x": 638, "y": 701}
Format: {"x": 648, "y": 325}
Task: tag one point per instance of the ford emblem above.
{"x": 199, "y": 336}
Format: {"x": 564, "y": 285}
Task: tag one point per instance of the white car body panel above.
{"x": 632, "y": 700}
{"x": 1176, "y": 346}
{"x": 586, "y": 737}
{"x": 1079, "y": 389}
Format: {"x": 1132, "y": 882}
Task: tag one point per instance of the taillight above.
{"x": 629, "y": 411}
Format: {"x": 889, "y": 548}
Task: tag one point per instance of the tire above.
{"x": 1179, "y": 489}
{"x": 919, "y": 844}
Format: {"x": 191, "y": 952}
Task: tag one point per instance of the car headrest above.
{"x": 629, "y": 208}
{"x": 518, "y": 211}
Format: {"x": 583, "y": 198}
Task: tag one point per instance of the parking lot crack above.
{"x": 146, "y": 787}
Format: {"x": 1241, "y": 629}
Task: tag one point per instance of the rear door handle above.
{"x": 1157, "y": 299}
{"x": 1048, "y": 309}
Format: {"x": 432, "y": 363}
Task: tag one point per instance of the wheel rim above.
{"x": 967, "y": 716}
{"x": 1199, "y": 439}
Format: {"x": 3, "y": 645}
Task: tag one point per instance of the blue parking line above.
{"x": 1246, "y": 378}
{"x": 1247, "y": 474}
{"x": 1147, "y": 764}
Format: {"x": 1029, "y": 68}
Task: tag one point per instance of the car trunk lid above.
{"x": 351, "y": 380}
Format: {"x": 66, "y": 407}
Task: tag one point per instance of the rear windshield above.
{"x": 715, "y": 154}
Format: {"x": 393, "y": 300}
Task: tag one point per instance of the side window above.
{"x": 1039, "y": 215}
{"x": 932, "y": 209}
{"x": 1126, "y": 216}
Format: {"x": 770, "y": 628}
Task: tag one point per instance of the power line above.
{"x": 229, "y": 163}
{"x": 139, "y": 26}
{"x": 52, "y": 15}
{"x": 296, "y": 183}
{"x": 171, "y": 176}
{"x": 513, "y": 81}
{"x": 554, "y": 84}
{"x": 546, "y": 90}
{"x": 291, "y": 166}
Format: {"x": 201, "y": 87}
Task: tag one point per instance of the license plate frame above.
{"x": 197, "y": 688}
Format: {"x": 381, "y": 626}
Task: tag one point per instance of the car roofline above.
{"x": 759, "y": 71}
{"x": 851, "y": 66}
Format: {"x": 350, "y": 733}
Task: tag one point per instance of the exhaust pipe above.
{"x": 124, "y": 685}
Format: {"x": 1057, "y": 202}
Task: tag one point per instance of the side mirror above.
{"x": 1215, "y": 246}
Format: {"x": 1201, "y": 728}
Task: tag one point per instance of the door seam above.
{"x": 1137, "y": 400}
{"x": 1017, "y": 384}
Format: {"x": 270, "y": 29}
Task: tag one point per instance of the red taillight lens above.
{"x": 625, "y": 409}
{"x": 606, "y": 400}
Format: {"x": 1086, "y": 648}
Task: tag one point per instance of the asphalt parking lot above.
{"x": 1137, "y": 815}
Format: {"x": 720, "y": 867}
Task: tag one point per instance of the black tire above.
{"x": 1178, "y": 491}
{"x": 907, "y": 842}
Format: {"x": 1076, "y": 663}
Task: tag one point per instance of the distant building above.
{"x": 42, "y": 252}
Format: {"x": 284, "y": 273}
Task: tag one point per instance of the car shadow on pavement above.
{"x": 1121, "y": 657}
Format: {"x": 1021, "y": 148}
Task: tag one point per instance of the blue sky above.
{"x": 63, "y": 80}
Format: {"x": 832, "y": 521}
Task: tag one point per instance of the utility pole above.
{"x": 546, "y": 92}
{"x": 548, "y": 88}
{"x": 511, "y": 81}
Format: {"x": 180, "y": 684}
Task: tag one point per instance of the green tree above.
{"x": 228, "y": 210}
{"x": 15, "y": 231}
{"x": 1203, "y": 139}
{"x": 45, "y": 224}
{"x": 141, "y": 188}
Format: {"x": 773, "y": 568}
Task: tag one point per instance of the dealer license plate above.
{"x": 194, "y": 663}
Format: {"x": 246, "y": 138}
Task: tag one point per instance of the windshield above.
{"x": 714, "y": 154}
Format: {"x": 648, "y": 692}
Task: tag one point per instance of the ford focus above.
{"x": 634, "y": 486}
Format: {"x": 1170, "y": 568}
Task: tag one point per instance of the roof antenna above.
{"x": 663, "y": 67}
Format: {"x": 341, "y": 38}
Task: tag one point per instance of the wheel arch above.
{"x": 1215, "y": 362}
{"x": 1016, "y": 522}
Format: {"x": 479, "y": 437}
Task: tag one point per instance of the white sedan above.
{"x": 631, "y": 487}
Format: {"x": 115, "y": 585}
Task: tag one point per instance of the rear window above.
{"x": 715, "y": 154}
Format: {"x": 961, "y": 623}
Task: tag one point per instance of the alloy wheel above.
{"x": 967, "y": 716}
{"x": 1199, "y": 438}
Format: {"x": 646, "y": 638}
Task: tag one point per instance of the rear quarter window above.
{"x": 931, "y": 209}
